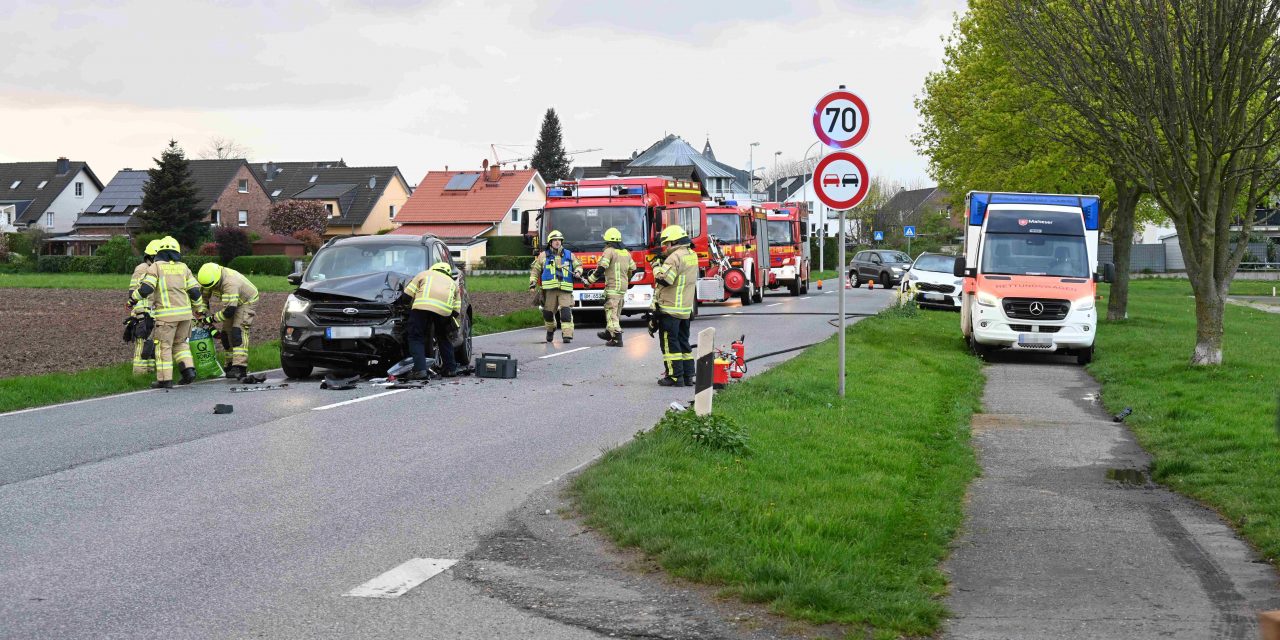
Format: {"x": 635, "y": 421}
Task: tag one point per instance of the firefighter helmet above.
{"x": 555, "y": 235}
{"x": 672, "y": 233}
{"x": 168, "y": 243}
{"x": 210, "y": 274}
{"x": 152, "y": 249}
{"x": 442, "y": 267}
{"x": 613, "y": 235}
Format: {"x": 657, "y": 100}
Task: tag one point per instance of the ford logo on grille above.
{"x": 351, "y": 311}
{"x": 1037, "y": 308}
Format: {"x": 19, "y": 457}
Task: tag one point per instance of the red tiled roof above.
{"x": 444, "y": 230}
{"x": 486, "y": 202}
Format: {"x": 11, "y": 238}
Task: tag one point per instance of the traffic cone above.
{"x": 847, "y": 284}
{"x": 819, "y": 285}
{"x": 871, "y": 284}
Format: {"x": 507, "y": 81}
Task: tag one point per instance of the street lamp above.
{"x": 751, "y": 169}
{"x": 775, "y": 175}
{"x": 822, "y": 218}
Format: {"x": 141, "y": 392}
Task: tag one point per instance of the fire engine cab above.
{"x": 788, "y": 247}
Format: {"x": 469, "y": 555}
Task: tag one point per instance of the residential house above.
{"x": 227, "y": 189}
{"x": 799, "y": 188}
{"x": 910, "y": 207}
{"x": 465, "y": 207}
{"x": 47, "y": 195}
{"x": 673, "y": 157}
{"x": 360, "y": 200}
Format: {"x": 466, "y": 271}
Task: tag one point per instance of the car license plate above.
{"x": 347, "y": 333}
{"x": 934, "y": 296}
{"x": 1035, "y": 338}
{"x": 591, "y": 295}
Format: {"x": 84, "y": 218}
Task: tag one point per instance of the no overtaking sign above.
{"x": 842, "y": 180}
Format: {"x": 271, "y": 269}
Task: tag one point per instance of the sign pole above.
{"x": 842, "y": 291}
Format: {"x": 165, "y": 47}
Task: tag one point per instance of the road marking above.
{"x": 401, "y": 579}
{"x": 561, "y": 353}
{"x": 773, "y": 305}
{"x": 499, "y": 333}
{"x": 347, "y": 402}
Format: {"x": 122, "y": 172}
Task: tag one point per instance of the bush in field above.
{"x": 141, "y": 240}
{"x": 309, "y": 239}
{"x": 208, "y": 249}
{"x": 4, "y": 247}
{"x": 291, "y": 216}
{"x": 715, "y": 431}
{"x": 233, "y": 242}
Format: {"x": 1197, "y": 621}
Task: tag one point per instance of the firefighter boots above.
{"x": 162, "y": 384}
{"x": 551, "y": 335}
{"x": 188, "y": 375}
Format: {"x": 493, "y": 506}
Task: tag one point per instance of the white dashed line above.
{"x": 401, "y": 579}
{"x": 561, "y": 353}
{"x": 773, "y": 305}
{"x": 347, "y": 402}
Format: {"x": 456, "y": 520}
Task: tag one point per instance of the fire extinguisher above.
{"x": 739, "y": 347}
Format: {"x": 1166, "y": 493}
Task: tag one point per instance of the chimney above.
{"x": 271, "y": 171}
{"x": 64, "y": 166}
{"x": 495, "y": 173}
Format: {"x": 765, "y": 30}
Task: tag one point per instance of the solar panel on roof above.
{"x": 462, "y": 182}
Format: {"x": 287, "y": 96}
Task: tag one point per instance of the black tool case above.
{"x": 495, "y": 365}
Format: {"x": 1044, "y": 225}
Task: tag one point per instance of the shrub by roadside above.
{"x": 843, "y": 509}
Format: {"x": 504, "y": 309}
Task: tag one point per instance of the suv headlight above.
{"x": 294, "y": 304}
{"x": 987, "y": 300}
{"x": 1083, "y": 304}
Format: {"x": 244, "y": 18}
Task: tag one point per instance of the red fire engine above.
{"x": 734, "y": 228}
{"x": 788, "y": 247}
{"x": 582, "y": 210}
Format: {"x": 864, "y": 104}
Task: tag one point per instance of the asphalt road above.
{"x": 146, "y": 516}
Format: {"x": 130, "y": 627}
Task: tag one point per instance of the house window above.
{"x": 515, "y": 215}
{"x": 313, "y": 178}
{"x": 529, "y": 188}
{"x": 79, "y": 189}
{"x": 243, "y": 186}
{"x": 215, "y": 217}
{"x": 42, "y": 184}
{"x": 276, "y": 193}
{"x": 393, "y": 212}
{"x": 105, "y": 209}
{"x": 329, "y": 207}
{"x": 15, "y": 184}
{"x": 48, "y": 219}
{"x": 243, "y": 218}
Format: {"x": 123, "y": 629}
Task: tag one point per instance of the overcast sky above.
{"x": 426, "y": 83}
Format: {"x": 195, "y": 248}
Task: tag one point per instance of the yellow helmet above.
{"x": 442, "y": 267}
{"x": 210, "y": 274}
{"x": 168, "y": 243}
{"x": 613, "y": 235}
{"x": 152, "y": 249}
{"x": 673, "y": 232}
{"x": 555, "y": 235}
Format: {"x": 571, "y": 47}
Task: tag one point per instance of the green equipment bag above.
{"x": 204, "y": 354}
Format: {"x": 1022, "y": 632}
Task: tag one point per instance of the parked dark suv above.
{"x": 346, "y": 312}
{"x": 884, "y": 266}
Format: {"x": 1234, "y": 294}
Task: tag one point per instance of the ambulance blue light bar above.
{"x": 979, "y": 201}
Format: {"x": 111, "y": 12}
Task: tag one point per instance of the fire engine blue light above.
{"x": 633, "y": 191}
{"x": 555, "y": 193}
{"x": 730, "y": 203}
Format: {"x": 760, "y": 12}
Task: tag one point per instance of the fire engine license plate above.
{"x": 591, "y": 295}
{"x": 1035, "y": 338}
{"x": 347, "y": 333}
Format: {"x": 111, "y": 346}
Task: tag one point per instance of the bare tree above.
{"x": 1184, "y": 94}
{"x": 785, "y": 169}
{"x": 222, "y": 148}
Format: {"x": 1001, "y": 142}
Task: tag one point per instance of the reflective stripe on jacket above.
{"x": 556, "y": 271}
{"x": 435, "y": 292}
{"x": 233, "y": 289}
{"x": 617, "y": 265}
{"x": 134, "y": 281}
{"x": 170, "y": 281}
{"x": 675, "y": 280}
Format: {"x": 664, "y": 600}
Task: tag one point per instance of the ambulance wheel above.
{"x": 981, "y": 350}
{"x": 1084, "y": 356}
{"x": 296, "y": 371}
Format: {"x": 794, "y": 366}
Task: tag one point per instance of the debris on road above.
{"x": 221, "y": 409}
{"x": 1119, "y": 417}
{"x": 334, "y": 382}
{"x": 269, "y": 387}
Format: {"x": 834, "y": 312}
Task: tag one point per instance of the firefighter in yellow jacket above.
{"x": 239, "y": 298}
{"x": 144, "y": 351}
{"x": 174, "y": 293}
{"x": 554, "y": 270}
{"x": 433, "y": 318}
{"x": 675, "y": 279}
{"x": 616, "y": 267}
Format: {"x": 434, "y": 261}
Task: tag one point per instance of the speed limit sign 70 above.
{"x": 841, "y": 180}
{"x": 841, "y": 119}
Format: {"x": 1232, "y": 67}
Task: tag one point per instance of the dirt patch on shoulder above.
{"x": 68, "y": 330}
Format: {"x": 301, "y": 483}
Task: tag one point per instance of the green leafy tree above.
{"x": 985, "y": 127}
{"x": 291, "y": 216}
{"x": 170, "y": 199}
{"x": 549, "y": 157}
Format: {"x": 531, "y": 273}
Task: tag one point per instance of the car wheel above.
{"x": 462, "y": 353}
{"x": 886, "y": 281}
{"x": 1084, "y": 356}
{"x": 857, "y": 280}
{"x": 296, "y": 371}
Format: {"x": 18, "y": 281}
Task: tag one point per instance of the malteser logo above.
{"x": 1022, "y": 222}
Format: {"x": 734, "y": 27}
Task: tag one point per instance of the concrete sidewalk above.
{"x": 1067, "y": 538}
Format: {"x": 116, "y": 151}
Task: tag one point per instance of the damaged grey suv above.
{"x": 347, "y": 313}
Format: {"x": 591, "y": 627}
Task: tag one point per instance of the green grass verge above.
{"x": 521, "y": 319}
{"x": 815, "y": 276}
{"x": 497, "y": 283}
{"x": 1212, "y": 430}
{"x": 107, "y": 281}
{"x": 24, "y": 392}
{"x": 1251, "y": 287}
{"x": 843, "y": 510}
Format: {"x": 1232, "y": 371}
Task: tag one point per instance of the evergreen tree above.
{"x": 549, "y": 157}
{"x": 170, "y": 200}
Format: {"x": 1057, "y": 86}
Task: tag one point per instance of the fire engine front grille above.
{"x": 939, "y": 288}
{"x": 331, "y": 313}
{"x": 1027, "y": 308}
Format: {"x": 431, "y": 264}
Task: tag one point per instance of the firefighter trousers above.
{"x": 558, "y": 303}
{"x": 673, "y": 339}
{"x": 144, "y": 356}
{"x": 424, "y": 328}
{"x": 172, "y": 346}
{"x": 236, "y": 328}
{"x": 613, "y": 312}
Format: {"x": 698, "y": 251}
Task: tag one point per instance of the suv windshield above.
{"x": 357, "y": 259}
{"x": 930, "y": 262}
{"x": 726, "y": 227}
{"x": 780, "y": 232}
{"x": 584, "y": 227}
{"x": 894, "y": 257}
{"x": 1017, "y": 254}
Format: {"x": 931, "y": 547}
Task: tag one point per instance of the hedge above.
{"x": 263, "y": 265}
{"x": 194, "y": 262}
{"x": 506, "y": 246}
{"x": 507, "y": 262}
